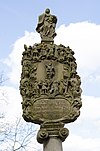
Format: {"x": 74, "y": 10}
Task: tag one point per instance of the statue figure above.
{"x": 46, "y": 26}
{"x": 50, "y": 70}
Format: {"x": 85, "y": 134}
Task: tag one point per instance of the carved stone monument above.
{"x": 50, "y": 85}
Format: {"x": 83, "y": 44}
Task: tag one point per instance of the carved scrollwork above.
{"x": 63, "y": 133}
{"x": 49, "y": 71}
{"x": 42, "y": 135}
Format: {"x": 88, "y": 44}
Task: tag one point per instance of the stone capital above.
{"x": 52, "y": 130}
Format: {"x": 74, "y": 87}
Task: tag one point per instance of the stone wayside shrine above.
{"x": 50, "y": 85}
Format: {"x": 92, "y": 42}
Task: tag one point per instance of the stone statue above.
{"x": 46, "y": 26}
{"x": 50, "y": 84}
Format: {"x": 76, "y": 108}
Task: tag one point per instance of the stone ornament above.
{"x": 46, "y": 26}
{"x": 50, "y": 84}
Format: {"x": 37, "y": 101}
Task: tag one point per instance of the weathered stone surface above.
{"x": 50, "y": 84}
{"x": 52, "y": 129}
{"x": 46, "y": 26}
{"x": 50, "y": 109}
{"x": 53, "y": 144}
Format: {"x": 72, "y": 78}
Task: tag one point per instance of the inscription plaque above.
{"x": 50, "y": 110}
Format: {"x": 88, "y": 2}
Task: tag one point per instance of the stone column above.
{"x": 53, "y": 144}
{"x": 51, "y": 135}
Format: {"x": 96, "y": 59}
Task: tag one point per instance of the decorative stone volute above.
{"x": 50, "y": 85}
{"x": 48, "y": 130}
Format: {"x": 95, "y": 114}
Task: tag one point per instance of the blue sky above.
{"x": 18, "y": 16}
{"x": 79, "y": 27}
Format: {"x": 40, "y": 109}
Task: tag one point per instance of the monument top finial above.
{"x": 46, "y": 26}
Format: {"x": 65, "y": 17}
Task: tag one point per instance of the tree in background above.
{"x": 3, "y": 101}
{"x": 18, "y": 136}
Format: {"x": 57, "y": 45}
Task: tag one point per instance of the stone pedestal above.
{"x": 53, "y": 144}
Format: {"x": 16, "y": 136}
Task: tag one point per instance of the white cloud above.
{"x": 91, "y": 107}
{"x": 12, "y": 106}
{"x": 78, "y": 143}
{"x": 83, "y": 38}
{"x": 81, "y": 137}
{"x": 84, "y": 132}
{"x": 14, "y": 58}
